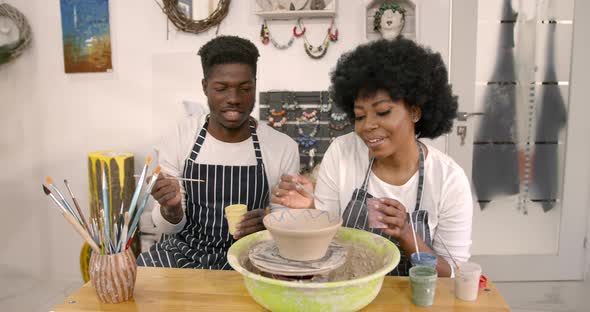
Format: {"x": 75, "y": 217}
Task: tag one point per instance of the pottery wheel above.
{"x": 265, "y": 256}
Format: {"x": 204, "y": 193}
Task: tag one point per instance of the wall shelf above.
{"x": 289, "y": 15}
{"x": 328, "y": 12}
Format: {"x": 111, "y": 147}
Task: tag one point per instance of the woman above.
{"x": 396, "y": 92}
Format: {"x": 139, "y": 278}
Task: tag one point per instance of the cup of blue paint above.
{"x": 425, "y": 259}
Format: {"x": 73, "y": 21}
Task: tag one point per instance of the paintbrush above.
{"x": 85, "y": 224}
{"x": 300, "y": 186}
{"x": 49, "y": 181}
{"x": 144, "y": 201}
{"x": 139, "y": 185}
{"x": 415, "y": 240}
{"x": 448, "y": 252}
{"x": 105, "y": 204}
{"x": 177, "y": 178}
{"x": 125, "y": 228}
{"x": 73, "y": 221}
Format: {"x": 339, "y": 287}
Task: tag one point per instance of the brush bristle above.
{"x": 157, "y": 171}
{"x": 148, "y": 160}
{"x": 49, "y": 180}
{"x": 46, "y": 190}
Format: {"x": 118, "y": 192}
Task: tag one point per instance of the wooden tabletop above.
{"x": 203, "y": 290}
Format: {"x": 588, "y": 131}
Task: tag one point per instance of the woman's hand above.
{"x": 395, "y": 218}
{"x": 294, "y": 191}
{"x": 251, "y": 223}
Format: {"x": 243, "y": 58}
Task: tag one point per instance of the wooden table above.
{"x": 203, "y": 290}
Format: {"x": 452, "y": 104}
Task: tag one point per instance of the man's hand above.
{"x": 166, "y": 192}
{"x": 251, "y": 223}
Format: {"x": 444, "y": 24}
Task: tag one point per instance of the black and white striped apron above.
{"x": 205, "y": 239}
{"x": 355, "y": 214}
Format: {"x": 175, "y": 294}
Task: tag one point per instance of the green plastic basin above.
{"x": 350, "y": 295}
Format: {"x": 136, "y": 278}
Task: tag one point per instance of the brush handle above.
{"x": 138, "y": 189}
{"x": 185, "y": 179}
{"x": 447, "y": 249}
{"x": 177, "y": 178}
{"x": 123, "y": 240}
{"x": 81, "y": 231}
{"x": 142, "y": 205}
{"x": 65, "y": 202}
{"x": 81, "y": 214}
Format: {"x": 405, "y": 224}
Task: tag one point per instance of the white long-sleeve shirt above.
{"x": 446, "y": 195}
{"x": 279, "y": 153}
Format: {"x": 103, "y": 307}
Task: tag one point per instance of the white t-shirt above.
{"x": 446, "y": 195}
{"x": 279, "y": 153}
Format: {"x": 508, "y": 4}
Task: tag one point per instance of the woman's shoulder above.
{"x": 349, "y": 142}
{"x": 348, "y": 150}
{"x": 442, "y": 165}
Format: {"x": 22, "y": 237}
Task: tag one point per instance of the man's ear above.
{"x": 204, "y": 85}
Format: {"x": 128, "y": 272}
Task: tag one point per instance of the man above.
{"x": 236, "y": 158}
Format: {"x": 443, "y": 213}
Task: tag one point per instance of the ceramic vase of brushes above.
{"x": 113, "y": 276}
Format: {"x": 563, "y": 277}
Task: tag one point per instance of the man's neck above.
{"x": 224, "y": 134}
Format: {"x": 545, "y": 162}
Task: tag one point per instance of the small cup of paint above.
{"x": 423, "y": 284}
{"x": 425, "y": 259}
{"x": 467, "y": 281}
{"x": 374, "y": 214}
{"x": 234, "y": 214}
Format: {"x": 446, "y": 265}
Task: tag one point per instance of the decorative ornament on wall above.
{"x": 389, "y": 19}
{"x": 320, "y": 50}
{"x": 86, "y": 36}
{"x": 189, "y": 18}
{"x": 15, "y": 33}
{"x": 317, "y": 4}
{"x": 266, "y": 37}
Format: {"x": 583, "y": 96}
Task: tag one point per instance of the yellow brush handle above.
{"x": 81, "y": 231}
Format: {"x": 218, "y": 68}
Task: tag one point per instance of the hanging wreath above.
{"x": 187, "y": 24}
{"x": 12, "y": 50}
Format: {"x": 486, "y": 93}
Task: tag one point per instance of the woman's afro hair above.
{"x": 405, "y": 70}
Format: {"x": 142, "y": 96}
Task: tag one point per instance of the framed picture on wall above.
{"x": 86, "y": 36}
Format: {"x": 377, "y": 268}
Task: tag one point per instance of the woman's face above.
{"x": 391, "y": 21}
{"x": 384, "y": 125}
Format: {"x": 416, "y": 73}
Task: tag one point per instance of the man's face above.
{"x": 231, "y": 93}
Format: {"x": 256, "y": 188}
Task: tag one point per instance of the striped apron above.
{"x": 205, "y": 239}
{"x": 355, "y": 214}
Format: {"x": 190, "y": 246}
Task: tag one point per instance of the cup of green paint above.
{"x": 423, "y": 283}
